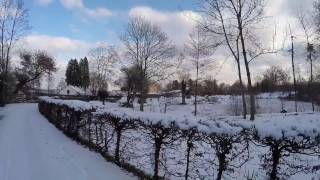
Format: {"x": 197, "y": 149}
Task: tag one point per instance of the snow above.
{"x": 275, "y": 125}
{"x": 33, "y": 149}
{"x": 222, "y": 105}
{"x": 185, "y": 122}
{"x": 74, "y": 104}
{"x": 292, "y": 126}
{"x": 73, "y": 90}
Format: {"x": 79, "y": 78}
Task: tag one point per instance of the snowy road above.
{"x": 33, "y": 149}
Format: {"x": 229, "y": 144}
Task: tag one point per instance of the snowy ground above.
{"x": 223, "y": 105}
{"x": 33, "y": 149}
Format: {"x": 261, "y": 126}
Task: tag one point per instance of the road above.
{"x": 33, "y": 149}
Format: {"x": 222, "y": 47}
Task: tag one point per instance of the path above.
{"x": 33, "y": 149}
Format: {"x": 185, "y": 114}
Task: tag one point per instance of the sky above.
{"x": 70, "y": 28}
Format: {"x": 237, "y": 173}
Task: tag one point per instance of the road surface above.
{"x": 33, "y": 149}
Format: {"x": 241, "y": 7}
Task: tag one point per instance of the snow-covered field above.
{"x": 223, "y": 105}
{"x": 33, "y": 149}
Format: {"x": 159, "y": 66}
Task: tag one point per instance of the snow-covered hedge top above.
{"x": 74, "y": 104}
{"x": 276, "y": 126}
{"x": 183, "y": 122}
{"x": 291, "y": 126}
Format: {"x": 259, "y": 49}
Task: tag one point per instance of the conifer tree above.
{"x": 73, "y": 73}
{"x": 84, "y": 73}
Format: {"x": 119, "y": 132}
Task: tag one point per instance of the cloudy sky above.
{"x": 69, "y": 28}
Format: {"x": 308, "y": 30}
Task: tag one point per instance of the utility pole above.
{"x": 294, "y": 75}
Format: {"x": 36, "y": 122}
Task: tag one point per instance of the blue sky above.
{"x": 54, "y": 19}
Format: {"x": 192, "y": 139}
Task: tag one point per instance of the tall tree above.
{"x": 73, "y": 74}
{"x": 69, "y": 73}
{"x": 84, "y": 73}
{"x": 103, "y": 61}
{"x": 13, "y": 24}
{"x": 235, "y": 21}
{"x": 309, "y": 34}
{"x": 148, "y": 48}
{"x": 293, "y": 70}
{"x": 198, "y": 49}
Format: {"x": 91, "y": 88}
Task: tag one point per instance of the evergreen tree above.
{"x": 76, "y": 73}
{"x": 69, "y": 73}
{"x": 84, "y": 73}
{"x": 73, "y": 73}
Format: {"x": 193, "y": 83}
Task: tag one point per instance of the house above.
{"x": 154, "y": 88}
{"x": 72, "y": 91}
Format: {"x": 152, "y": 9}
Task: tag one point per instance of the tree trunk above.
{"x": 96, "y": 132}
{"x": 275, "y": 163}
{"x": 101, "y": 133}
{"x": 250, "y": 89}
{"x": 183, "y": 92}
{"x": 158, "y": 144}
{"x": 294, "y": 76}
{"x": 244, "y": 104}
{"x": 106, "y": 141}
{"x": 89, "y": 130}
{"x": 142, "y": 102}
{"x": 222, "y": 165}
{"x": 183, "y": 98}
{"x": 189, "y": 147}
{"x": 196, "y": 92}
{"x": 117, "y": 151}
{"x": 311, "y": 81}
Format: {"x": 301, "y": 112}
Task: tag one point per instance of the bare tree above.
{"x": 293, "y": 70}
{"x": 13, "y": 25}
{"x": 103, "y": 60}
{"x": 309, "y": 34}
{"x": 235, "y": 21}
{"x": 273, "y": 77}
{"x": 199, "y": 49}
{"x": 148, "y": 48}
{"x": 215, "y": 23}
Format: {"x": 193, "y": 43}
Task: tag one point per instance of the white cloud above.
{"x": 72, "y": 4}
{"x": 78, "y": 5}
{"x": 177, "y": 24}
{"x": 62, "y": 47}
{"x": 98, "y": 12}
{"x": 44, "y": 2}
